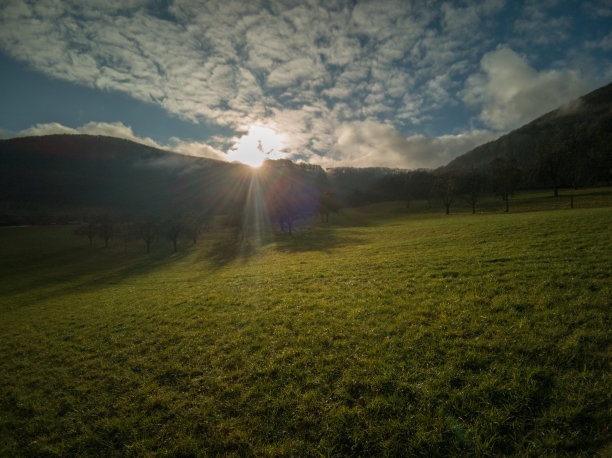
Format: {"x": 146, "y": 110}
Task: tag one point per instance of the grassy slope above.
{"x": 484, "y": 334}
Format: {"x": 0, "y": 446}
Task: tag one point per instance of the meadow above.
{"x": 388, "y": 331}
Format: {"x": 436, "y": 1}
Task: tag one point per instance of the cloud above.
{"x": 537, "y": 26}
{"x": 233, "y": 63}
{"x": 605, "y": 44}
{"x": 509, "y": 92}
{"x": 372, "y": 144}
{"x": 113, "y": 129}
{"x": 5, "y": 133}
{"x": 119, "y": 130}
{"x": 309, "y": 68}
{"x": 194, "y": 148}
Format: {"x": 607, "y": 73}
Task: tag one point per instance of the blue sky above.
{"x": 357, "y": 83}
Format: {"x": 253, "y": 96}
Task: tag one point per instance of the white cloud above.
{"x": 311, "y": 68}
{"x": 369, "y": 144}
{"x": 194, "y": 148}
{"x": 605, "y": 44}
{"x": 110, "y": 129}
{"x": 293, "y": 72}
{"x": 218, "y": 59}
{"x": 510, "y": 92}
{"x": 5, "y": 133}
{"x": 537, "y": 26}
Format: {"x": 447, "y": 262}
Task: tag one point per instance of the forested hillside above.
{"x": 569, "y": 146}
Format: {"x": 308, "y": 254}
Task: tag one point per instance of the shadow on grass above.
{"x": 54, "y": 267}
{"x": 232, "y": 245}
{"x": 229, "y": 246}
{"x": 315, "y": 238}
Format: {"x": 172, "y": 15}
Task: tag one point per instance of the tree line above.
{"x": 280, "y": 195}
{"x": 283, "y": 194}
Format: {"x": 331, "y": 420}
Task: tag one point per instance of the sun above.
{"x": 260, "y": 143}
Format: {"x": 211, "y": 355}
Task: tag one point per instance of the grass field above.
{"x": 389, "y": 331}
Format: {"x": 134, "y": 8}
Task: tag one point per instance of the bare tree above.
{"x": 173, "y": 228}
{"x": 471, "y": 185}
{"x": 445, "y": 188}
{"x": 88, "y": 229}
{"x": 106, "y": 228}
{"x": 505, "y": 176}
{"x": 327, "y": 204}
{"x": 554, "y": 159}
{"x": 195, "y": 223}
{"x": 147, "y": 230}
{"x": 126, "y": 232}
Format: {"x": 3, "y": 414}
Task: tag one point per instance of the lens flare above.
{"x": 259, "y": 144}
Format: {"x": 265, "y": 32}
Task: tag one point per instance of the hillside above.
{"x": 575, "y": 137}
{"x": 60, "y": 173}
{"x": 60, "y": 178}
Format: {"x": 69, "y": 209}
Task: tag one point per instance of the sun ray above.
{"x": 260, "y": 143}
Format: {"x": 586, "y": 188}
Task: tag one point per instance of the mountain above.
{"x": 574, "y": 140}
{"x": 60, "y": 178}
{"x": 73, "y": 174}
{"x": 57, "y": 177}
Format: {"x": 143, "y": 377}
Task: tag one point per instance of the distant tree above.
{"x": 89, "y": 229}
{"x": 172, "y": 229}
{"x": 357, "y": 197}
{"x": 505, "y": 176}
{"x": 236, "y": 212}
{"x": 554, "y": 156}
{"x": 419, "y": 184}
{"x": 282, "y": 208}
{"x": 471, "y": 186}
{"x": 147, "y": 230}
{"x": 126, "y": 232}
{"x": 195, "y": 223}
{"x": 327, "y": 204}
{"x": 445, "y": 188}
{"x": 391, "y": 187}
{"x": 106, "y": 228}
{"x": 290, "y": 194}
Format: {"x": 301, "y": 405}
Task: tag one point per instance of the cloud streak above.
{"x": 371, "y": 144}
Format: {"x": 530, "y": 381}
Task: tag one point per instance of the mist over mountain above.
{"x": 571, "y": 142}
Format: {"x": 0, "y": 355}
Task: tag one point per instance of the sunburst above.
{"x": 260, "y": 143}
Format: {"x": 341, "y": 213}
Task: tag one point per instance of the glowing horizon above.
{"x": 259, "y": 143}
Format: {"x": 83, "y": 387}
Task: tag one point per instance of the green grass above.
{"x": 388, "y": 331}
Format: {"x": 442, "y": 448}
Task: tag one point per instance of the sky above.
{"x": 407, "y": 84}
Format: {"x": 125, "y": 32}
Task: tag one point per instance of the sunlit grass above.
{"x": 388, "y": 331}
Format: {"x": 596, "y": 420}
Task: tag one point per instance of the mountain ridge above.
{"x": 583, "y": 125}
